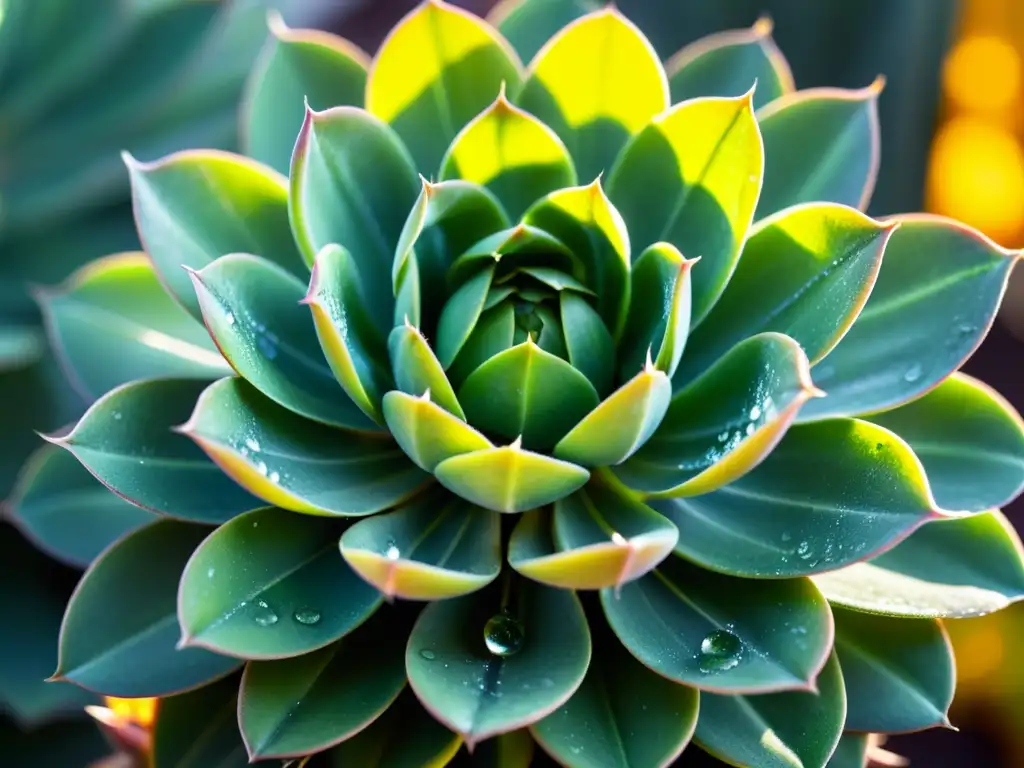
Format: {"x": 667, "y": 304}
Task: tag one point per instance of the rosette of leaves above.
{"x": 574, "y": 405}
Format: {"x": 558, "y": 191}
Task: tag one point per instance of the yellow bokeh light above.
{"x": 142, "y": 712}
{"x": 980, "y": 651}
{"x": 977, "y": 176}
{"x": 982, "y": 74}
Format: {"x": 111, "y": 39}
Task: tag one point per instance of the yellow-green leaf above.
{"x": 427, "y": 432}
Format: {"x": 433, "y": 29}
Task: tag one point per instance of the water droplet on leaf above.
{"x": 913, "y": 373}
{"x": 719, "y": 651}
{"x": 307, "y": 616}
{"x": 230, "y": 318}
{"x": 393, "y": 553}
{"x": 264, "y": 615}
{"x": 503, "y": 634}
{"x": 428, "y": 654}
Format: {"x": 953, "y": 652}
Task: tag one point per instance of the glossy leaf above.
{"x": 589, "y": 345}
{"x": 719, "y": 633}
{"x": 528, "y": 24}
{"x": 515, "y": 248}
{"x": 970, "y": 440}
{"x": 193, "y": 207}
{"x": 965, "y": 566}
{"x": 806, "y": 273}
{"x": 112, "y": 322}
{"x": 828, "y": 495}
{"x": 512, "y": 153}
{"x": 852, "y": 751}
{"x": 298, "y": 706}
{"x": 354, "y": 348}
{"x": 940, "y": 284}
{"x": 824, "y": 145}
{"x": 199, "y": 728}
{"x": 352, "y": 182}
{"x": 509, "y": 479}
{"x": 252, "y": 310}
{"x": 596, "y": 82}
{"x": 623, "y": 715}
{"x": 294, "y": 463}
{"x": 724, "y": 424}
{"x": 126, "y": 440}
{"x": 661, "y": 327}
{"x": 434, "y": 547}
{"x": 899, "y": 674}
{"x": 525, "y": 391}
{"x": 297, "y": 66}
{"x": 52, "y": 497}
{"x": 621, "y": 424}
{"x": 446, "y": 220}
{"x": 457, "y": 678}
{"x": 418, "y": 371}
{"x": 460, "y": 315}
{"x": 268, "y": 585}
{"x": 120, "y": 628}
{"x": 691, "y": 178}
{"x": 406, "y": 735}
{"x": 438, "y": 68}
{"x": 729, "y": 64}
{"x": 494, "y": 332}
{"x": 426, "y": 432}
{"x": 780, "y": 730}
{"x": 595, "y": 538}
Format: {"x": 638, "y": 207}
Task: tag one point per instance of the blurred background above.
{"x": 952, "y": 143}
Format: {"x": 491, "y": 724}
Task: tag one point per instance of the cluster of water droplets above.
{"x": 250, "y": 448}
{"x": 266, "y": 342}
{"x": 762, "y": 411}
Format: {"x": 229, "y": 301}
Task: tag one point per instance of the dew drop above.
{"x": 264, "y": 614}
{"x": 755, "y": 413}
{"x": 262, "y": 467}
{"x": 393, "y": 553}
{"x": 307, "y": 616}
{"x": 230, "y": 318}
{"x": 210, "y": 572}
{"x": 786, "y": 536}
{"x": 618, "y": 539}
{"x": 275, "y": 477}
{"x": 428, "y": 654}
{"x": 503, "y": 634}
{"x": 117, "y": 415}
{"x": 252, "y": 443}
{"x": 267, "y": 346}
{"x": 719, "y": 651}
{"x": 750, "y": 429}
{"x": 913, "y": 373}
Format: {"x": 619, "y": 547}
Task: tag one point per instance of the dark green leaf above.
{"x": 720, "y": 633}
{"x": 588, "y": 344}
{"x": 494, "y": 332}
{"x": 852, "y": 751}
{"x": 515, "y": 248}
{"x": 298, "y": 464}
{"x": 127, "y": 440}
{"x": 480, "y": 694}
{"x": 119, "y": 632}
{"x": 199, "y": 729}
{"x": 460, "y": 315}
{"x": 252, "y": 310}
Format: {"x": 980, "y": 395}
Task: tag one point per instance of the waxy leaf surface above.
{"x": 200, "y": 728}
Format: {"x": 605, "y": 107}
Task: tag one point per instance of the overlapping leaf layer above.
{"x": 575, "y": 403}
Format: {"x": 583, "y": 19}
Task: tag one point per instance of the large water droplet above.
{"x": 393, "y": 553}
{"x": 230, "y": 318}
{"x": 307, "y": 616}
{"x": 428, "y": 654}
{"x": 719, "y": 651}
{"x": 264, "y": 615}
{"x": 913, "y": 373}
{"x": 503, "y": 634}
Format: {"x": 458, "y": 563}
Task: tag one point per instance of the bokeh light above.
{"x": 982, "y": 74}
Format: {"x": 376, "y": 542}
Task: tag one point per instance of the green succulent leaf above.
{"x": 525, "y": 391}
{"x": 252, "y": 310}
{"x": 427, "y": 432}
{"x": 595, "y": 538}
{"x": 406, "y": 735}
{"x": 970, "y": 440}
{"x": 193, "y": 207}
{"x": 596, "y": 83}
{"x": 806, "y": 272}
{"x": 494, "y": 332}
{"x": 528, "y": 24}
{"x": 436, "y": 71}
{"x": 830, "y": 494}
{"x": 621, "y": 424}
{"x": 126, "y": 441}
{"x": 306, "y": 704}
{"x": 434, "y": 547}
{"x": 852, "y": 751}
{"x": 510, "y": 479}
{"x": 354, "y": 348}
{"x": 460, "y": 315}
{"x": 352, "y": 182}
{"x": 588, "y": 344}
{"x": 512, "y": 249}
{"x": 720, "y": 633}
{"x": 724, "y": 424}
{"x": 457, "y": 678}
{"x": 779, "y": 730}
{"x": 941, "y": 284}
{"x": 269, "y": 585}
{"x": 824, "y": 145}
{"x": 584, "y": 219}
{"x": 418, "y": 371}
{"x": 512, "y": 153}
{"x": 691, "y": 178}
{"x": 661, "y": 327}
{"x": 52, "y": 496}
{"x": 899, "y": 673}
{"x": 112, "y": 322}
{"x": 729, "y": 64}
{"x": 951, "y": 568}
{"x": 297, "y": 66}
{"x": 120, "y": 628}
{"x": 200, "y": 728}
{"x": 622, "y": 715}
{"x": 447, "y": 219}
{"x": 294, "y": 463}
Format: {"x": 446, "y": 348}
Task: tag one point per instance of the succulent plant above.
{"x": 631, "y": 428}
